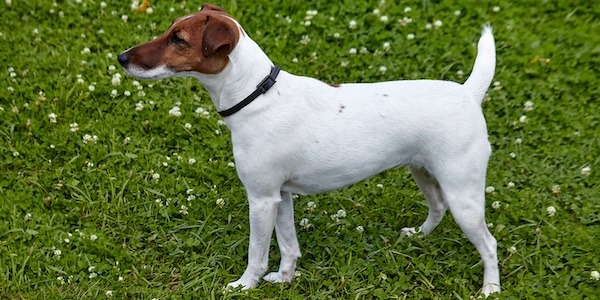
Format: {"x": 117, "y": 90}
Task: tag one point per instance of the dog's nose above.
{"x": 123, "y": 59}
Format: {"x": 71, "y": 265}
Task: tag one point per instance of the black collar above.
{"x": 261, "y": 88}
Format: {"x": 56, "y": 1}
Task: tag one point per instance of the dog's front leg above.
{"x": 263, "y": 211}
{"x": 287, "y": 241}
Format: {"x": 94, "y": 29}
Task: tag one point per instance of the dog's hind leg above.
{"x": 428, "y": 184}
{"x": 463, "y": 189}
{"x": 285, "y": 232}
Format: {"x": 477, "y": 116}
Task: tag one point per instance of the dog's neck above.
{"x": 248, "y": 65}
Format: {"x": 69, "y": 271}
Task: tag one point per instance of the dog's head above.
{"x": 197, "y": 43}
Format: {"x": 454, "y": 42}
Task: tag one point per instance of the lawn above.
{"x": 112, "y": 187}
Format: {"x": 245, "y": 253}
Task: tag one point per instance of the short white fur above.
{"x": 304, "y": 136}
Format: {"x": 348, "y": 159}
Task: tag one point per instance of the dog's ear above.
{"x": 218, "y": 37}
{"x": 208, "y": 6}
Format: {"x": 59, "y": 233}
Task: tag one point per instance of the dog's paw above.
{"x": 278, "y": 277}
{"x": 489, "y": 289}
{"x": 239, "y": 285}
{"x": 409, "y": 231}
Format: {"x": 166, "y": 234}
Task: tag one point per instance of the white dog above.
{"x": 294, "y": 134}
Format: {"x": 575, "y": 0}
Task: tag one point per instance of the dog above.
{"x": 298, "y": 135}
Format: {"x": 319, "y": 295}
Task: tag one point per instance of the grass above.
{"x": 152, "y": 207}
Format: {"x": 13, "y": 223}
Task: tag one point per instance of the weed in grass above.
{"x": 117, "y": 188}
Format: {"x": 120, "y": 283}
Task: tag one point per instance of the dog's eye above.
{"x": 177, "y": 40}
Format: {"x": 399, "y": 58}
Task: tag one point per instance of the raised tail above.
{"x": 485, "y": 63}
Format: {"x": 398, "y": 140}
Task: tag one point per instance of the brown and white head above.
{"x": 198, "y": 43}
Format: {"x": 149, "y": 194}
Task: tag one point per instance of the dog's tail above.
{"x": 485, "y": 63}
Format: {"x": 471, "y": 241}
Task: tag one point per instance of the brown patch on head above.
{"x": 199, "y": 42}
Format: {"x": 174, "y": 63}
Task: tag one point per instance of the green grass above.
{"x": 78, "y": 220}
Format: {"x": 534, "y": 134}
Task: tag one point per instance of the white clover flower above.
{"x": 109, "y": 293}
{"x": 490, "y": 189}
{"x": 127, "y": 93}
{"x": 86, "y": 50}
{"x": 8, "y": 2}
{"x": 139, "y": 106}
{"x": 496, "y": 205}
{"x": 523, "y": 119}
{"x": 27, "y": 216}
{"x": 437, "y": 23}
{"x": 352, "y": 51}
{"x": 407, "y": 9}
{"x": 352, "y": 24}
{"x": 183, "y": 210}
{"x": 512, "y": 155}
{"x": 379, "y": 185}
{"x": 89, "y": 139}
{"x": 305, "y": 40}
{"x": 364, "y": 50}
{"x": 335, "y": 218}
{"x": 220, "y": 202}
{"x": 382, "y": 69}
{"x": 586, "y": 171}
{"x": 67, "y": 240}
{"x": 16, "y": 154}
{"x": 191, "y": 161}
{"x": 556, "y": 189}
{"x": 126, "y": 140}
{"x": 155, "y": 176}
{"x": 460, "y": 73}
{"x": 384, "y": 19}
{"x": 187, "y": 126}
{"x": 52, "y": 117}
{"x": 551, "y": 210}
{"x": 528, "y": 106}
{"x": 376, "y": 11}
{"x": 57, "y": 252}
{"x": 518, "y": 141}
{"x": 93, "y": 237}
{"x": 428, "y": 26}
{"x": 496, "y": 8}
{"x": 336, "y": 35}
{"x": 305, "y": 224}
{"x": 114, "y": 93}
{"x": 92, "y": 275}
{"x": 311, "y": 206}
{"x": 175, "y": 111}
{"x": 295, "y": 60}
{"x": 120, "y": 278}
{"x": 124, "y": 18}
{"x": 383, "y": 277}
{"x": 91, "y": 87}
{"x": 35, "y": 31}
{"x": 360, "y": 229}
{"x": 410, "y": 36}
{"x": 116, "y": 80}
{"x": 405, "y": 21}
{"x": 102, "y": 4}
{"x": 149, "y": 10}
{"x": 457, "y": 12}
{"x": 386, "y": 45}
{"x": 341, "y": 213}
{"x": 512, "y": 250}
{"x": 231, "y": 164}
{"x": 595, "y": 275}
